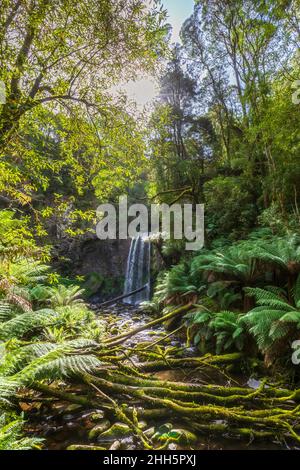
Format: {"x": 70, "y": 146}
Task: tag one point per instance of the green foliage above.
{"x": 15, "y": 236}
{"x": 27, "y": 322}
{"x": 228, "y": 331}
{"x": 237, "y": 263}
{"x": 275, "y": 318}
{"x": 223, "y": 330}
{"x": 239, "y": 213}
{"x": 61, "y": 295}
{"x": 11, "y": 428}
{"x": 282, "y": 252}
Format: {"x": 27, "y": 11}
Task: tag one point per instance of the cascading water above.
{"x": 138, "y": 271}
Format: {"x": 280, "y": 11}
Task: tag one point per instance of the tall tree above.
{"x": 69, "y": 51}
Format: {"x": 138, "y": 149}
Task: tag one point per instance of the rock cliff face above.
{"x": 101, "y": 262}
{"x": 105, "y": 257}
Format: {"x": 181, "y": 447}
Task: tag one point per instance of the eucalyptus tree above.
{"x": 70, "y": 51}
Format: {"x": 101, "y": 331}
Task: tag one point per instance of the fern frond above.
{"x": 21, "y": 324}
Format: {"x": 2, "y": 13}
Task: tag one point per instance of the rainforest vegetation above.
{"x": 220, "y": 361}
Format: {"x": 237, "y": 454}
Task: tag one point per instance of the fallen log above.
{"x": 121, "y": 297}
{"x": 279, "y": 421}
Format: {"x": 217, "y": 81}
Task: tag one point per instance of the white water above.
{"x": 138, "y": 271}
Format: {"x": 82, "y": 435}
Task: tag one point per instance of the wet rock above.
{"x": 149, "y": 432}
{"x": 88, "y": 414}
{"x": 102, "y": 426}
{"x": 72, "y": 426}
{"x": 84, "y": 447}
{"x": 68, "y": 417}
{"x": 165, "y": 428}
{"x": 180, "y": 436}
{"x": 52, "y": 430}
{"x": 115, "y": 446}
{"x": 172, "y": 446}
{"x": 94, "y": 417}
{"x": 115, "y": 431}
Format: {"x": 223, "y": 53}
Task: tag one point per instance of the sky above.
{"x": 178, "y": 11}
{"x": 144, "y": 91}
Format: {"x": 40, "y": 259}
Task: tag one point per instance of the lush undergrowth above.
{"x": 239, "y": 303}
{"x": 246, "y": 296}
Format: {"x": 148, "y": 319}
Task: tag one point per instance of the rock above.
{"x": 73, "y": 426}
{"x": 115, "y": 446}
{"x": 68, "y": 417}
{"x": 84, "y": 447}
{"x": 165, "y": 428}
{"x": 88, "y": 414}
{"x": 150, "y": 432}
{"x": 99, "y": 429}
{"x": 142, "y": 425}
{"x": 172, "y": 446}
{"x": 115, "y": 431}
{"x": 96, "y": 416}
{"x": 180, "y": 436}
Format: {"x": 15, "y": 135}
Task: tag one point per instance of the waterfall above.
{"x": 138, "y": 271}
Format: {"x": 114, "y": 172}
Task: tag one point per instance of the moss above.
{"x": 84, "y": 447}
{"x": 180, "y": 436}
{"x": 117, "y": 430}
{"x": 99, "y": 429}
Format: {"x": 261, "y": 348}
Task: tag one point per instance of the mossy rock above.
{"x": 96, "y": 416}
{"x": 84, "y": 447}
{"x": 115, "y": 431}
{"x": 180, "y": 436}
{"x": 142, "y": 425}
{"x": 99, "y": 429}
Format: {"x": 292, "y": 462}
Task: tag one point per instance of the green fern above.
{"x": 11, "y": 438}
{"x": 283, "y": 252}
{"x": 65, "y": 295}
{"x": 274, "y": 319}
{"x": 237, "y": 262}
{"x": 229, "y": 333}
{"x": 27, "y": 322}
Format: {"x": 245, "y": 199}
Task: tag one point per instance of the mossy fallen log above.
{"x": 281, "y": 420}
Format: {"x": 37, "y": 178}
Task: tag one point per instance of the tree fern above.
{"x": 284, "y": 252}
{"x": 228, "y": 331}
{"x": 26, "y": 322}
{"x": 65, "y": 295}
{"x": 6, "y": 311}
{"x": 20, "y": 357}
{"x": 236, "y": 262}
{"x": 275, "y": 318}
{"x": 64, "y": 360}
{"x": 28, "y": 272}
